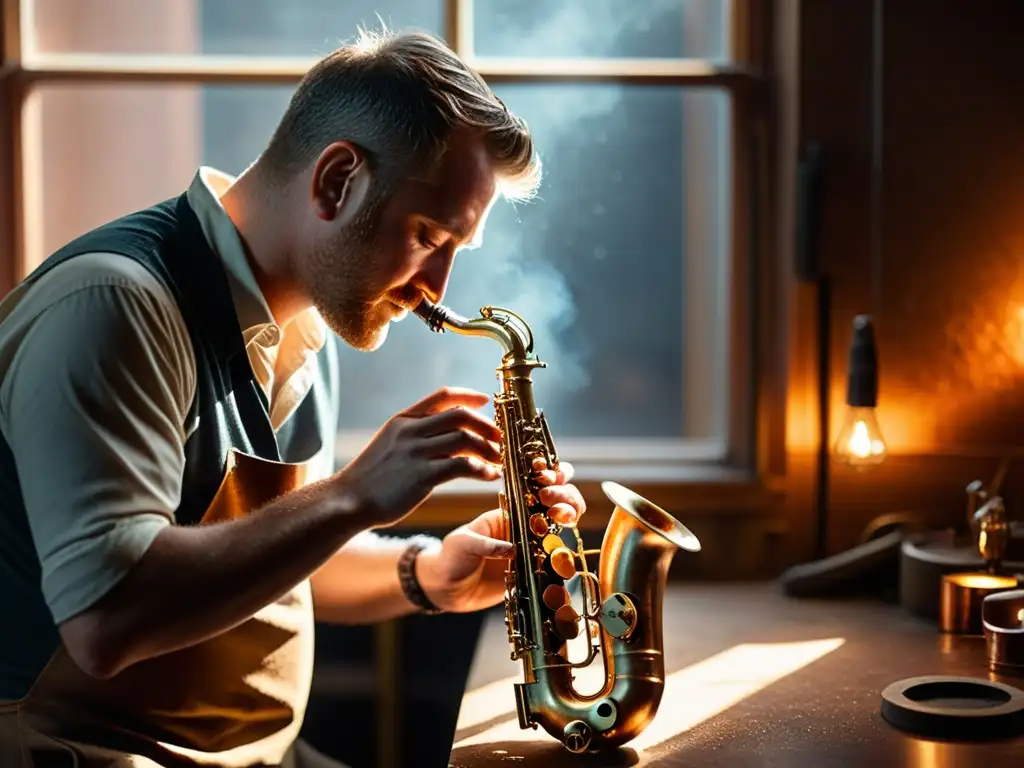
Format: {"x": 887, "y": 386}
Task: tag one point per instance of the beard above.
{"x": 339, "y": 276}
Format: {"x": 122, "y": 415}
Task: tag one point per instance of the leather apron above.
{"x": 237, "y": 699}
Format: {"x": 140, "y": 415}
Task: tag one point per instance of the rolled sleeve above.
{"x": 93, "y": 407}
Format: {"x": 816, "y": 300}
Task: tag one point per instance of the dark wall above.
{"x": 950, "y": 321}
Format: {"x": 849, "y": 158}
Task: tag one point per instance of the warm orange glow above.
{"x": 912, "y": 421}
{"x": 860, "y": 442}
{"x": 981, "y": 581}
{"x": 984, "y": 361}
{"x": 929, "y": 754}
{"x": 801, "y": 424}
{"x": 991, "y": 347}
{"x": 692, "y": 695}
{"x": 1017, "y": 336}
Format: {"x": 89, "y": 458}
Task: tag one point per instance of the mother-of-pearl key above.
{"x": 563, "y": 562}
{"x": 555, "y": 596}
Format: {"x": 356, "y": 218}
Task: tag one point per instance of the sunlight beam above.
{"x": 692, "y": 695}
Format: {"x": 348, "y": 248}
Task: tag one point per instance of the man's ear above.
{"x": 340, "y": 180}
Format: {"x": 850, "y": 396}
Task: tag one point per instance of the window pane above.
{"x": 94, "y": 152}
{"x": 235, "y": 27}
{"x": 595, "y": 265}
{"x": 601, "y": 28}
{"x": 618, "y": 266}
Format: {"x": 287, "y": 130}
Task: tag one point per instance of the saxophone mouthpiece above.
{"x": 438, "y": 317}
{"x": 432, "y": 314}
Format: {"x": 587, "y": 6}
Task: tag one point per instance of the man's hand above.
{"x": 467, "y": 573}
{"x": 440, "y": 438}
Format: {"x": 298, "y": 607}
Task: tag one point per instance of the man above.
{"x": 167, "y": 386}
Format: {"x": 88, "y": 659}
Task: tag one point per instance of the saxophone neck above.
{"x": 502, "y": 325}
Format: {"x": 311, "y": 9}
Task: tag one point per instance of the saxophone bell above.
{"x": 621, "y": 616}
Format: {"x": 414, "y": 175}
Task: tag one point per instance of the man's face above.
{"x": 369, "y": 268}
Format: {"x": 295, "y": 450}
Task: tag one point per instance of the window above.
{"x": 632, "y": 267}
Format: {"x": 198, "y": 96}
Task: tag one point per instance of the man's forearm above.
{"x": 196, "y": 582}
{"x": 359, "y": 584}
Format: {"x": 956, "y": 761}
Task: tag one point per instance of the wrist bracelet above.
{"x": 407, "y": 574}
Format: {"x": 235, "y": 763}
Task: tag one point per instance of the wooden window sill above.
{"x": 685, "y": 492}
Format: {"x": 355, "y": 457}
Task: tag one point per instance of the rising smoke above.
{"x": 545, "y": 259}
{"x": 516, "y": 267}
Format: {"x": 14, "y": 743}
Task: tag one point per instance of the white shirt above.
{"x": 281, "y": 358}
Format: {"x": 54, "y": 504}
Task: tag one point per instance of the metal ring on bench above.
{"x": 953, "y": 707}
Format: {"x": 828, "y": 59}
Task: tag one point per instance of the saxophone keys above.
{"x": 618, "y": 616}
{"x": 576, "y": 736}
{"x": 539, "y": 525}
{"x": 563, "y": 562}
{"x": 567, "y": 622}
{"x": 552, "y": 542}
{"x": 555, "y": 597}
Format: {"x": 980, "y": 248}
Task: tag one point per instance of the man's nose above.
{"x": 433, "y": 278}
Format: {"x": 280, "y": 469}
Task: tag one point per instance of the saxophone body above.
{"x": 622, "y": 602}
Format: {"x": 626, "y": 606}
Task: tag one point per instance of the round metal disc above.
{"x": 563, "y": 563}
{"x": 567, "y": 622}
{"x": 603, "y": 714}
{"x": 539, "y": 525}
{"x": 555, "y": 597}
{"x": 552, "y": 542}
{"x": 954, "y": 707}
{"x": 618, "y": 615}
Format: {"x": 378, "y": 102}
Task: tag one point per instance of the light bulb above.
{"x": 860, "y": 442}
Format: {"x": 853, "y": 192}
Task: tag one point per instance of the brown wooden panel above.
{"x": 950, "y": 325}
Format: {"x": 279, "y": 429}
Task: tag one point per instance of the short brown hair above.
{"x": 399, "y": 97}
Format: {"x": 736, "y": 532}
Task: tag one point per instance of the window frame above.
{"x": 746, "y": 475}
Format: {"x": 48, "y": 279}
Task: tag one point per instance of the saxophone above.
{"x": 622, "y": 601}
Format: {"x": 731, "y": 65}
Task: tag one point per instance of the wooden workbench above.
{"x": 757, "y": 679}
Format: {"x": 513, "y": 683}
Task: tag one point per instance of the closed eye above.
{"x": 425, "y": 240}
